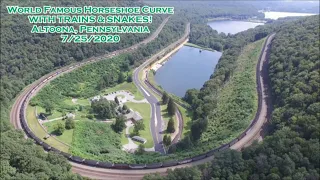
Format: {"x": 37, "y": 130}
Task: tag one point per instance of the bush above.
{"x": 90, "y": 116}
{"x": 125, "y": 107}
{"x": 129, "y": 79}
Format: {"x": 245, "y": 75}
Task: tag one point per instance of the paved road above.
{"x": 99, "y": 173}
{"x": 156, "y": 124}
{"x": 156, "y": 120}
{"x": 14, "y": 114}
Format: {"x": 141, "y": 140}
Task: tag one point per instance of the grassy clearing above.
{"x": 80, "y": 101}
{"x": 97, "y": 140}
{"x": 199, "y": 47}
{"x": 128, "y": 87}
{"x": 124, "y": 139}
{"x": 54, "y": 114}
{"x": 185, "y": 115}
{"x": 166, "y": 117}
{"x": 67, "y": 135}
{"x": 145, "y": 111}
{"x": 187, "y": 118}
{"x": 83, "y": 102}
{"x": 40, "y": 132}
{"x": 151, "y": 77}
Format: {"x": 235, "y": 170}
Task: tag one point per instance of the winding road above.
{"x": 102, "y": 173}
{"x": 156, "y": 123}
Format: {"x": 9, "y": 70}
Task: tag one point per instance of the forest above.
{"x": 291, "y": 150}
{"x": 201, "y": 11}
{"x": 88, "y": 81}
{"x": 25, "y": 57}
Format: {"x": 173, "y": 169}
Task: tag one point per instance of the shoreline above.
{"x": 158, "y": 64}
{"x": 231, "y": 19}
{"x": 199, "y": 47}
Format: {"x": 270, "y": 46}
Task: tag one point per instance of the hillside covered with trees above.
{"x": 291, "y": 152}
{"x": 292, "y": 149}
{"x": 25, "y": 57}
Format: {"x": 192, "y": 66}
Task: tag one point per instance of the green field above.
{"x": 151, "y": 77}
{"x": 166, "y": 117}
{"x": 145, "y": 111}
{"x": 124, "y": 139}
{"x": 96, "y": 140}
{"x": 80, "y": 101}
{"x": 67, "y": 135}
{"x": 40, "y": 132}
{"x": 187, "y": 118}
{"x": 54, "y": 114}
{"x": 128, "y": 87}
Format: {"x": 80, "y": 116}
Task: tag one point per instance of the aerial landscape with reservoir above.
{"x": 210, "y": 90}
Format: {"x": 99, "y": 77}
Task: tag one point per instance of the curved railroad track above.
{"x": 17, "y": 118}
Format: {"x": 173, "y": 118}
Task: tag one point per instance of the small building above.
{"x": 139, "y": 139}
{"x": 70, "y": 116}
{"x": 96, "y": 98}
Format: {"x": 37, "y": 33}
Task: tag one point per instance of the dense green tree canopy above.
{"x": 119, "y": 124}
{"x": 104, "y": 108}
{"x": 25, "y": 57}
{"x": 291, "y": 150}
{"x": 69, "y": 124}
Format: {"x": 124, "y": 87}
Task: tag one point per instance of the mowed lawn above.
{"x": 165, "y": 117}
{"x": 186, "y": 120}
{"x": 40, "y": 132}
{"x": 128, "y": 87}
{"x": 53, "y": 115}
{"x": 124, "y": 139}
{"x": 67, "y": 135}
{"x": 145, "y": 111}
{"x": 80, "y": 101}
{"x": 185, "y": 116}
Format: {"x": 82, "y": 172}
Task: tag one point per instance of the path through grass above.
{"x": 40, "y": 132}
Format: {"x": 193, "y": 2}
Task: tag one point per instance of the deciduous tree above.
{"x": 138, "y": 126}
{"x": 120, "y": 124}
{"x": 69, "y": 124}
{"x": 59, "y": 128}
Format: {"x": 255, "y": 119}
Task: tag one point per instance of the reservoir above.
{"x": 187, "y": 69}
{"x": 231, "y": 26}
